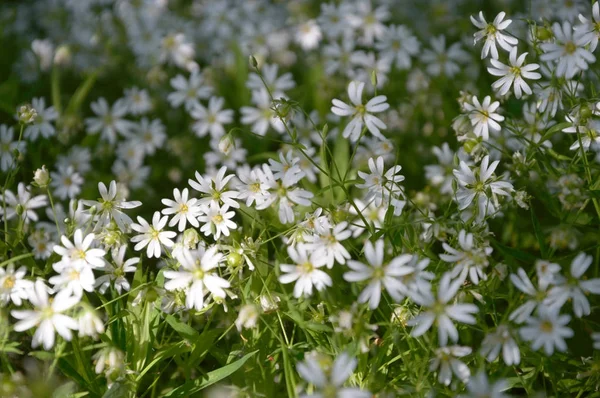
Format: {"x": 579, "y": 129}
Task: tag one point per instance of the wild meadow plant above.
{"x": 351, "y": 198}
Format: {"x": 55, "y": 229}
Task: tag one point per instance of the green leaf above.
{"x": 539, "y": 234}
{"x": 554, "y": 129}
{"x": 16, "y": 258}
{"x": 211, "y": 378}
{"x": 514, "y": 253}
{"x": 185, "y": 331}
{"x": 82, "y": 91}
{"x": 120, "y": 389}
{"x": 8, "y": 95}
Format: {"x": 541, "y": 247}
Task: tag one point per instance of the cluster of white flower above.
{"x": 317, "y": 225}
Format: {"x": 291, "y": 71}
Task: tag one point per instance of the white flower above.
{"x": 399, "y": 44}
{"x": 575, "y": 287}
{"x": 42, "y": 124}
{"x": 116, "y": 271}
{"x": 109, "y": 360}
{"x": 175, "y": 49}
{"x": 66, "y": 183}
{"x": 586, "y": 128}
{"x": 437, "y": 310}
{"x": 470, "y": 261}
{"x": 441, "y": 174}
{"x": 484, "y": 117}
{"x": 149, "y": 135}
{"x": 501, "y": 340}
{"x": 523, "y": 283}
{"x": 8, "y": 147}
{"x": 479, "y": 387}
{"x": 569, "y": 50}
{"x": 261, "y": 117}
{"x": 188, "y": 91}
{"x": 513, "y": 75}
{"x": 546, "y": 272}
{"x": 382, "y": 186}
{"x": 492, "y": 32}
{"x": 308, "y": 35}
{"x": 329, "y": 382}
{"x": 287, "y": 169}
{"x": 89, "y": 323}
{"x": 74, "y": 278}
{"x": 247, "y": 317}
{"x": 12, "y": 285}
{"x": 215, "y": 189}
{"x": 368, "y": 20}
{"x": 274, "y": 84}
{"x": 109, "y": 121}
{"x": 197, "y": 276}
{"x": 589, "y": 31}
{"x": 44, "y": 50}
{"x": 328, "y": 243}
{"x": 379, "y": 274}
{"x": 110, "y": 205}
{"x": 361, "y": 114}
{"x": 47, "y": 316}
{"x": 596, "y": 338}
{"x": 252, "y": 186}
{"x": 22, "y": 202}
{"x": 548, "y": 330}
{"x": 446, "y": 363}
{"x": 285, "y": 193}
{"x": 79, "y": 252}
{"x": 217, "y": 220}
{"x": 184, "y": 209}
{"x": 480, "y": 185}
{"x": 440, "y": 60}
{"x": 138, "y": 101}
{"x": 153, "y": 235}
{"x": 305, "y": 271}
{"x": 212, "y": 119}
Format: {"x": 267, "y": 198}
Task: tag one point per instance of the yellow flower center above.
{"x": 9, "y": 282}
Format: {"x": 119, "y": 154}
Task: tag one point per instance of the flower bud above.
{"x": 26, "y": 114}
{"x": 247, "y": 317}
{"x": 269, "y": 303}
{"x": 542, "y": 33}
{"x": 63, "y": 56}
{"x": 190, "y": 238}
{"x": 226, "y": 144}
{"x": 585, "y": 112}
{"x": 234, "y": 260}
{"x": 253, "y": 61}
{"x": 90, "y": 324}
{"x": 374, "y": 78}
{"x": 470, "y": 145}
{"x": 41, "y": 177}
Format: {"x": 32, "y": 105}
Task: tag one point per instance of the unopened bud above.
{"x": 253, "y": 61}
{"x": 374, "y": 78}
{"x": 62, "y": 57}
{"x": 41, "y": 177}
{"x": 269, "y": 303}
{"x": 470, "y": 145}
{"x": 26, "y": 114}
{"x": 190, "y": 238}
{"x": 226, "y": 144}
{"x": 585, "y": 112}
{"x": 542, "y": 33}
{"x": 234, "y": 260}
{"x": 325, "y": 130}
